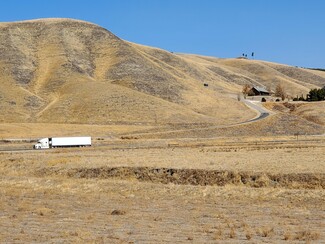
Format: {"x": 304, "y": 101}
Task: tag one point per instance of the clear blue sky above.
{"x": 284, "y": 31}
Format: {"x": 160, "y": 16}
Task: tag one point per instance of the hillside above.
{"x": 70, "y": 71}
{"x": 260, "y": 73}
{"x": 310, "y": 111}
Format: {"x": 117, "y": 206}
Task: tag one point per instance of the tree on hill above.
{"x": 280, "y": 92}
{"x": 246, "y": 89}
{"x": 316, "y": 95}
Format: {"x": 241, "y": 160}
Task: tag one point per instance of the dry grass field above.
{"x": 175, "y": 155}
{"x": 260, "y": 190}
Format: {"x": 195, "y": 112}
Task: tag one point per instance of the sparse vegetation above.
{"x": 266, "y": 232}
{"x": 83, "y": 199}
{"x": 246, "y": 89}
{"x": 218, "y": 234}
{"x": 280, "y": 92}
{"x": 307, "y": 235}
{"x": 301, "y": 98}
{"x": 232, "y": 233}
{"x": 287, "y": 236}
{"x": 248, "y": 235}
{"x": 313, "y": 96}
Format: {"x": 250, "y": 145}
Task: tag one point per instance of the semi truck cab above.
{"x": 43, "y": 143}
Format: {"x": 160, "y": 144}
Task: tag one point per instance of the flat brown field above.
{"x": 260, "y": 190}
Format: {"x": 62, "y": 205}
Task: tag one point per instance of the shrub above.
{"x": 232, "y": 233}
{"x": 316, "y": 95}
{"x": 248, "y": 235}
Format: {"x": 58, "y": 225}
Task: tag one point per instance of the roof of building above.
{"x": 260, "y": 89}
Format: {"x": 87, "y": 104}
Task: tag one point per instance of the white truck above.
{"x": 53, "y": 142}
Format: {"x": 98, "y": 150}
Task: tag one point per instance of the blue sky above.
{"x": 284, "y": 31}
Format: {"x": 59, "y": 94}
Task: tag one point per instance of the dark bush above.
{"x": 316, "y": 95}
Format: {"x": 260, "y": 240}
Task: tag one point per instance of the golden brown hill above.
{"x": 69, "y": 71}
{"x": 310, "y": 111}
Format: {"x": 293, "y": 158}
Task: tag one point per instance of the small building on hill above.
{"x": 259, "y": 91}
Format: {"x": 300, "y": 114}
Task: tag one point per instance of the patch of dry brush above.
{"x": 195, "y": 176}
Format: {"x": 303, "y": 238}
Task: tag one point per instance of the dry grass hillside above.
{"x": 295, "y": 80}
{"x": 312, "y": 112}
{"x": 69, "y": 71}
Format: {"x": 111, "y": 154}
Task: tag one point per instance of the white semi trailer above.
{"x": 53, "y": 142}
